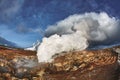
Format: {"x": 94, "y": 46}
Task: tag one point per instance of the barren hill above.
{"x": 18, "y": 64}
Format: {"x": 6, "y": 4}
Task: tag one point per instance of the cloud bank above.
{"x": 78, "y": 32}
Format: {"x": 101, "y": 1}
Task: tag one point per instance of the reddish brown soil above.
{"x": 73, "y": 65}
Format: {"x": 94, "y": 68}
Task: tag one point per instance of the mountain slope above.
{"x": 7, "y": 43}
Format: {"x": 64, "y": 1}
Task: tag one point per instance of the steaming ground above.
{"x": 78, "y": 32}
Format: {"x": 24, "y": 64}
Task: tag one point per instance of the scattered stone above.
{"x": 17, "y": 64}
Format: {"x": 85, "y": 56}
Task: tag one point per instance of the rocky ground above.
{"x": 18, "y": 64}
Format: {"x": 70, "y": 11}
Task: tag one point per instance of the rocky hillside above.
{"x": 18, "y": 64}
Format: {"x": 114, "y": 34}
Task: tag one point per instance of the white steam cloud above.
{"x": 77, "y": 32}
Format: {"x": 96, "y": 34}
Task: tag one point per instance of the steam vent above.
{"x": 17, "y": 64}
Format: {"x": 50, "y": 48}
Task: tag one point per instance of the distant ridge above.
{"x": 7, "y": 43}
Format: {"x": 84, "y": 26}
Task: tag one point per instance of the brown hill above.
{"x": 18, "y": 64}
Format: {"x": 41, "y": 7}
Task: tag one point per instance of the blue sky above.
{"x": 24, "y": 21}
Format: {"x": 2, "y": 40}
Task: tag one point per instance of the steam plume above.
{"x": 78, "y": 32}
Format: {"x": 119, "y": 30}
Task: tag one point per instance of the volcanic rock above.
{"x": 18, "y": 64}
